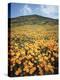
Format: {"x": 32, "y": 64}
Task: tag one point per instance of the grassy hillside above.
{"x": 32, "y": 19}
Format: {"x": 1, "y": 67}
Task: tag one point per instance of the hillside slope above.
{"x": 32, "y": 19}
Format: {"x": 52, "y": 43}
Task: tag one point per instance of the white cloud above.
{"x": 49, "y": 11}
{"x": 42, "y": 10}
{"x": 26, "y": 10}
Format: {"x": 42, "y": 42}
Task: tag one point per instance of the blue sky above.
{"x": 18, "y": 9}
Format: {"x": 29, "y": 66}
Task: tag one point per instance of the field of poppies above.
{"x": 33, "y": 50}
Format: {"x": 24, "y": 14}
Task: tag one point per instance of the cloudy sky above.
{"x": 31, "y": 9}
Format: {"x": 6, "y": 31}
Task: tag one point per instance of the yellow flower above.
{"x": 18, "y": 54}
{"x": 33, "y": 54}
{"x": 18, "y": 71}
{"x": 17, "y": 61}
{"x": 26, "y": 68}
{"x": 41, "y": 59}
{"x": 12, "y": 60}
{"x": 52, "y": 59}
{"x": 46, "y": 68}
{"x": 12, "y": 54}
{"x": 50, "y": 66}
{"x": 36, "y": 50}
{"x": 45, "y": 58}
{"x": 26, "y": 47}
{"x": 52, "y": 70}
{"x": 30, "y": 46}
{"x": 32, "y": 70}
{"x": 28, "y": 57}
{"x": 30, "y": 51}
{"x": 30, "y": 63}
{"x": 22, "y": 51}
{"x": 16, "y": 44}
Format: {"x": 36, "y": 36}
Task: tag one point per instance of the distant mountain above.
{"x": 32, "y": 19}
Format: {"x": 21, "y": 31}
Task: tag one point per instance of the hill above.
{"x": 32, "y": 19}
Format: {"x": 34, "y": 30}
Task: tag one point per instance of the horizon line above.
{"x": 33, "y": 15}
